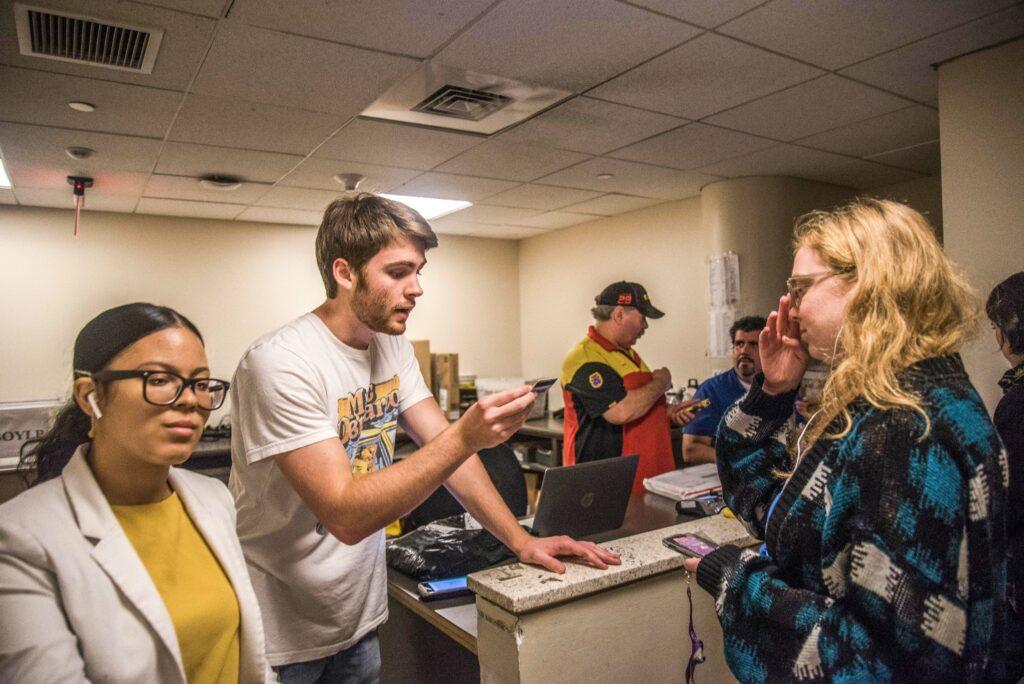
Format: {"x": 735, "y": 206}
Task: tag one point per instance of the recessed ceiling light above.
{"x": 80, "y": 106}
{"x": 5, "y": 182}
{"x": 430, "y": 207}
{"x": 215, "y": 182}
{"x": 79, "y": 152}
{"x": 605, "y": 176}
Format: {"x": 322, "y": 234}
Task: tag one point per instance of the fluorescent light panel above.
{"x": 429, "y": 207}
{"x": 5, "y": 182}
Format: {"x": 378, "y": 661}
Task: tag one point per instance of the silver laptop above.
{"x": 585, "y": 499}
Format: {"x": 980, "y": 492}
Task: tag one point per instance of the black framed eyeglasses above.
{"x": 163, "y": 388}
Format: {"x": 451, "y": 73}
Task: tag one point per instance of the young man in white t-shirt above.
{"x": 316, "y": 404}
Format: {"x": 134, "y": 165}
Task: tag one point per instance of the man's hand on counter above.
{"x": 542, "y": 551}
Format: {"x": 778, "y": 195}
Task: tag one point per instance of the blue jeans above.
{"x": 357, "y": 664}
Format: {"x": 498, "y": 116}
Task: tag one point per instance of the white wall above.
{"x": 981, "y": 120}
{"x": 560, "y": 273}
{"x": 234, "y": 280}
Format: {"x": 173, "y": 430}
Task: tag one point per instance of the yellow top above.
{"x": 197, "y": 593}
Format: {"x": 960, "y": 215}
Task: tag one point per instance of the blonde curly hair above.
{"x": 908, "y": 302}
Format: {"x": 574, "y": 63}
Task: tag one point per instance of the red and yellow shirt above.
{"x": 596, "y": 375}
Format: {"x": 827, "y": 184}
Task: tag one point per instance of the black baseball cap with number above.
{"x": 624, "y": 293}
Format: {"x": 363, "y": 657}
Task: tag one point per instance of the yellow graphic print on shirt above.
{"x": 367, "y": 420}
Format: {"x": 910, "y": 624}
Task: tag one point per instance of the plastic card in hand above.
{"x": 542, "y": 386}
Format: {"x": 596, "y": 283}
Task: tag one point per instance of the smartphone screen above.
{"x": 447, "y": 584}
{"x": 695, "y": 545}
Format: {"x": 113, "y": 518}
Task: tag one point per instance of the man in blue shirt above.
{"x": 723, "y": 390}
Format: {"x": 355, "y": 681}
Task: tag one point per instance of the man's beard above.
{"x": 372, "y": 309}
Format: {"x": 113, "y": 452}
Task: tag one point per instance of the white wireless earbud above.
{"x": 96, "y": 413}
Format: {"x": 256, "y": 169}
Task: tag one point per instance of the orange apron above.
{"x": 648, "y": 436}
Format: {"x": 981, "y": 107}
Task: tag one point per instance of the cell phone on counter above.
{"x": 435, "y": 590}
{"x": 541, "y": 386}
{"x": 702, "y": 506}
{"x": 691, "y": 545}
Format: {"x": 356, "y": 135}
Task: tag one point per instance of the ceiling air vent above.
{"x": 462, "y": 103}
{"x": 81, "y": 39}
{"x": 441, "y": 96}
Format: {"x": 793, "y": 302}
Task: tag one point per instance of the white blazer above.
{"x": 76, "y": 602}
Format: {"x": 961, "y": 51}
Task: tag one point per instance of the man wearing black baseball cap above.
{"x": 614, "y": 403}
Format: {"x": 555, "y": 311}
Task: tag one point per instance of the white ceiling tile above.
{"x": 208, "y": 8}
{"x": 233, "y": 123}
{"x": 567, "y": 45}
{"x": 584, "y": 124}
{"x": 692, "y": 146}
{"x": 704, "y": 76}
{"x": 924, "y": 157}
{"x": 284, "y": 197}
{"x": 187, "y": 159}
{"x": 891, "y": 131}
{"x": 506, "y": 232}
{"x": 819, "y": 105}
{"x": 320, "y": 173}
{"x": 410, "y": 147}
{"x": 481, "y": 213}
{"x": 540, "y": 197}
{"x": 7, "y": 196}
{"x": 46, "y": 176}
{"x": 181, "y": 50}
{"x": 449, "y": 186}
{"x": 800, "y": 162}
{"x": 304, "y": 73}
{"x": 62, "y": 199}
{"x": 411, "y": 28}
{"x": 556, "y": 219}
{"x": 511, "y": 161}
{"x": 188, "y": 188}
{"x": 41, "y": 98}
{"x": 285, "y": 216}
{"x": 612, "y": 205}
{"x": 631, "y": 178}
{"x": 908, "y": 70}
{"x": 706, "y": 13}
{"x": 40, "y": 145}
{"x": 167, "y": 207}
{"x": 836, "y": 33}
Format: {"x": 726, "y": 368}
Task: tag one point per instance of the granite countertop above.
{"x": 520, "y": 588}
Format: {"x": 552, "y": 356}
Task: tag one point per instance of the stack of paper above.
{"x": 685, "y": 483}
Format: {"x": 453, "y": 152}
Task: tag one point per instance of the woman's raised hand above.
{"x": 783, "y": 357}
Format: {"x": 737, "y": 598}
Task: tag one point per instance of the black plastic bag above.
{"x": 445, "y": 548}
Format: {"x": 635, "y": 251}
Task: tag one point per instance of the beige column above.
{"x": 981, "y": 119}
{"x": 754, "y": 217}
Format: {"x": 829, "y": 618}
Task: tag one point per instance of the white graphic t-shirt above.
{"x": 296, "y": 386}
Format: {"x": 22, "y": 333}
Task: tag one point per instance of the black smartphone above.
{"x": 702, "y": 506}
{"x": 435, "y": 590}
{"x": 692, "y": 545}
{"x": 541, "y": 386}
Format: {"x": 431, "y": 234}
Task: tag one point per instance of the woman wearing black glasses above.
{"x": 118, "y": 566}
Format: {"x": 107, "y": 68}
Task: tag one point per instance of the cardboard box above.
{"x": 421, "y": 348}
{"x": 446, "y": 383}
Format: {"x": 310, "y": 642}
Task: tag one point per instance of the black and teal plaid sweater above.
{"x": 886, "y": 550}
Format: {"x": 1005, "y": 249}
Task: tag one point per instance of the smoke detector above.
{"x": 83, "y": 39}
{"x": 351, "y": 181}
{"x": 445, "y": 97}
